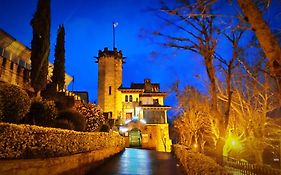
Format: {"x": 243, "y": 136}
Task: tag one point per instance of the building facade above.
{"x": 138, "y": 110}
{"x": 15, "y": 63}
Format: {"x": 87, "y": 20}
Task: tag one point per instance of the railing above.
{"x": 250, "y": 169}
{"x": 71, "y": 94}
{"x": 129, "y": 105}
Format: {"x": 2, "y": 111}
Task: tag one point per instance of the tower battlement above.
{"x": 106, "y": 52}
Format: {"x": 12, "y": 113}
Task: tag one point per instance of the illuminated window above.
{"x": 131, "y": 98}
{"x": 126, "y": 98}
{"x": 129, "y": 116}
{"x": 109, "y": 90}
{"x": 155, "y": 101}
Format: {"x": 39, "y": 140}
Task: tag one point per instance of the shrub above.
{"x": 195, "y": 162}
{"x": 94, "y": 115}
{"x": 1, "y": 108}
{"x": 15, "y": 103}
{"x": 26, "y": 141}
{"x": 104, "y": 128}
{"x": 42, "y": 113}
{"x": 74, "y": 117}
{"x": 64, "y": 124}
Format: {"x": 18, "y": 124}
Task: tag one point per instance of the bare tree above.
{"x": 199, "y": 35}
{"x": 252, "y": 99}
{"x": 266, "y": 38}
{"x": 194, "y": 122}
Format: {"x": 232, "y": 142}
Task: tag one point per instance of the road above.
{"x": 139, "y": 162}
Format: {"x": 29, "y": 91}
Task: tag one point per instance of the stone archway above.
{"x": 135, "y": 138}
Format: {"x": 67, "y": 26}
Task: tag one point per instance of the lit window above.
{"x": 131, "y": 98}
{"x": 155, "y": 101}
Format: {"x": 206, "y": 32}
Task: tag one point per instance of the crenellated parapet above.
{"x": 106, "y": 53}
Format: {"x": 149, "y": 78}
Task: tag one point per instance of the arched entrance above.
{"x": 135, "y": 139}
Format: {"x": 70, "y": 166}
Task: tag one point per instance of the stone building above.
{"x": 15, "y": 63}
{"x": 138, "y": 110}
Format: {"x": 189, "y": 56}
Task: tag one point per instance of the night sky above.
{"x": 88, "y": 28}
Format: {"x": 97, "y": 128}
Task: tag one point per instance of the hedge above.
{"x": 196, "y": 163}
{"x": 26, "y": 141}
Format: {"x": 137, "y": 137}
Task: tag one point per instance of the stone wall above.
{"x": 71, "y": 165}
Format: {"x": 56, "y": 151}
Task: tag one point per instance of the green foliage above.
{"x": 196, "y": 163}
{"x": 42, "y": 113}
{"x": 94, "y": 115}
{"x": 74, "y": 117}
{"x": 1, "y": 109}
{"x": 14, "y": 103}
{"x": 30, "y": 141}
{"x": 104, "y": 128}
{"x": 40, "y": 45}
{"x": 58, "y": 78}
{"x": 64, "y": 124}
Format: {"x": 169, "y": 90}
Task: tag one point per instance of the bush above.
{"x": 15, "y": 103}
{"x": 74, "y": 117}
{"x": 195, "y": 162}
{"x": 104, "y": 128}
{"x": 42, "y": 113}
{"x": 64, "y": 124}
{"x": 26, "y": 141}
{"x": 94, "y": 116}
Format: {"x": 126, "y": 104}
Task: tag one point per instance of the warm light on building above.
{"x": 140, "y": 108}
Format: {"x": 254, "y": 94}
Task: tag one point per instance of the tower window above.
{"x": 109, "y": 90}
{"x": 155, "y": 101}
{"x": 131, "y": 98}
{"x": 126, "y": 98}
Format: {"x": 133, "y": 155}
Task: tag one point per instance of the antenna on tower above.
{"x": 114, "y": 25}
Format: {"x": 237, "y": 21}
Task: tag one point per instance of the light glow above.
{"x": 123, "y": 129}
{"x": 134, "y": 118}
{"x": 143, "y": 121}
{"x": 127, "y": 121}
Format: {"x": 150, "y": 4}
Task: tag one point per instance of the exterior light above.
{"x": 127, "y": 121}
{"x": 123, "y": 129}
{"x": 143, "y": 121}
{"x": 195, "y": 145}
{"x": 134, "y": 118}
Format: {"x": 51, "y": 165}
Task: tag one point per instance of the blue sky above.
{"x": 88, "y": 27}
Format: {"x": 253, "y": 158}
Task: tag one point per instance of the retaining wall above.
{"x": 71, "y": 165}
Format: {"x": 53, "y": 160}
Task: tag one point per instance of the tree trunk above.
{"x": 259, "y": 156}
{"x": 220, "y": 124}
{"x": 266, "y": 39}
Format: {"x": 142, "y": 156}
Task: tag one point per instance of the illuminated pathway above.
{"x": 139, "y": 162}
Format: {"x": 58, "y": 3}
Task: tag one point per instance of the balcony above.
{"x": 130, "y": 105}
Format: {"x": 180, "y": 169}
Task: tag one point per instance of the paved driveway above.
{"x": 139, "y": 162}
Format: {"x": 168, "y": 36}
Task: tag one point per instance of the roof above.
{"x": 122, "y": 89}
{"x": 147, "y": 87}
{"x": 159, "y": 107}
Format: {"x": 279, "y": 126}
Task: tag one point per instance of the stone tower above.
{"x": 109, "y": 81}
